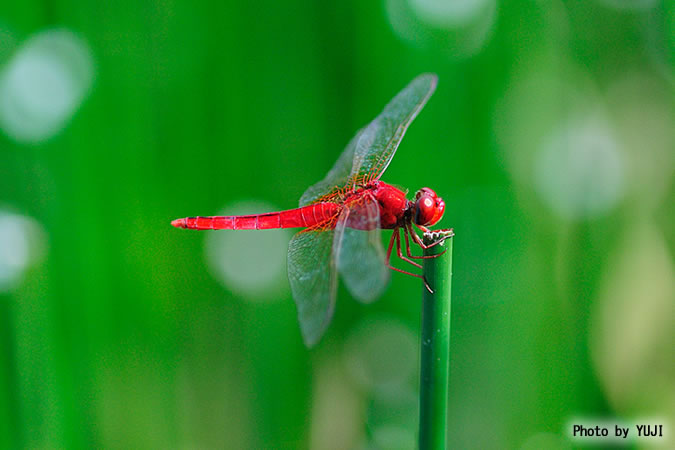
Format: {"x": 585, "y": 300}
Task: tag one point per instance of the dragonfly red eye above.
{"x": 428, "y": 207}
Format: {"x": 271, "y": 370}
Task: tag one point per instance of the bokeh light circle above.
{"x": 578, "y": 171}
{"x": 459, "y": 29}
{"x": 634, "y": 312}
{"x": 43, "y": 84}
{"x": 22, "y": 244}
{"x": 444, "y": 13}
{"x": 369, "y": 358}
{"x": 251, "y": 263}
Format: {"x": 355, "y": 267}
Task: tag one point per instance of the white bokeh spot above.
{"x": 578, "y": 171}
{"x": 43, "y": 84}
{"x": 457, "y": 28}
{"x": 22, "y": 244}
{"x": 368, "y": 357}
{"x": 444, "y": 13}
{"x": 250, "y": 263}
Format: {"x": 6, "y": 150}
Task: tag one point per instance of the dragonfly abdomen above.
{"x": 304, "y": 217}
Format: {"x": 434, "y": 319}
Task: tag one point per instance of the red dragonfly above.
{"x": 342, "y": 216}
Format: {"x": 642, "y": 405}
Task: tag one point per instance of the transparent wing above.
{"x": 369, "y": 153}
{"x": 312, "y": 273}
{"x": 360, "y": 254}
{"x": 380, "y": 139}
{"x": 336, "y": 178}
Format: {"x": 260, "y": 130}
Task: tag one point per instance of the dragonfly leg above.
{"x": 391, "y": 246}
{"x": 388, "y": 263}
{"x": 407, "y": 246}
{"x": 418, "y": 240}
{"x": 400, "y": 253}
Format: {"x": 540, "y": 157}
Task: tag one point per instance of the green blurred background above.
{"x": 550, "y": 137}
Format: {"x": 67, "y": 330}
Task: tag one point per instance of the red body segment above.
{"x": 391, "y": 201}
{"x": 393, "y": 204}
{"x": 306, "y": 216}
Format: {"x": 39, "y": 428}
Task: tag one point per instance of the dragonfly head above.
{"x": 428, "y": 207}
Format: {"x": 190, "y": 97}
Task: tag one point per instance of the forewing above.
{"x": 380, "y": 139}
{"x": 337, "y": 177}
{"x": 360, "y": 254}
{"x": 312, "y": 273}
{"x": 369, "y": 153}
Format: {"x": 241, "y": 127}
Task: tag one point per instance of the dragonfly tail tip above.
{"x": 179, "y": 223}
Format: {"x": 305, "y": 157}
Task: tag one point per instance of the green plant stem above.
{"x": 435, "y": 348}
